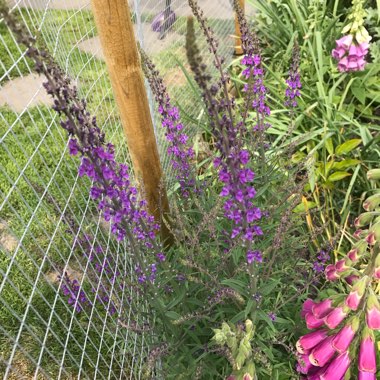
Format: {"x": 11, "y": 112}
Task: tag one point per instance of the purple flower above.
{"x": 254, "y": 256}
{"x": 294, "y": 85}
{"x": 180, "y": 152}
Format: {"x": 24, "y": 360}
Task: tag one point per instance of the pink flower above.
{"x": 344, "y": 42}
{"x": 247, "y": 376}
{"x": 351, "y": 279}
{"x": 304, "y": 364}
{"x": 309, "y": 341}
{"x": 373, "y": 312}
{"x": 353, "y": 254}
{"x": 344, "y": 337}
{"x": 367, "y": 355}
{"x": 337, "y": 368}
{"x": 333, "y": 319}
{"x": 366, "y": 376}
{"x": 321, "y": 309}
{"x": 353, "y": 300}
{"x": 356, "y": 294}
{"x": 306, "y": 307}
{"x": 313, "y": 322}
{"x": 322, "y": 354}
{"x": 338, "y": 53}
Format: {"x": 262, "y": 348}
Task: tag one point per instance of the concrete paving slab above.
{"x": 24, "y": 92}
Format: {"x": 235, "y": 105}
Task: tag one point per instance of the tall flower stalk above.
{"x": 179, "y": 150}
{"x": 233, "y": 159}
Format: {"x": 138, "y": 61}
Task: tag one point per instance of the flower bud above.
{"x": 321, "y": 354}
{"x": 364, "y": 219}
{"x": 373, "y": 174}
{"x": 351, "y": 279}
{"x": 358, "y": 250}
{"x": 360, "y": 234}
{"x": 337, "y": 368}
{"x": 362, "y": 35}
{"x": 343, "y": 264}
{"x": 309, "y": 341}
{"x": 367, "y": 353}
{"x": 357, "y": 292}
{"x": 344, "y": 337}
{"x": 372, "y": 202}
{"x": 373, "y": 312}
{"x": 331, "y": 273}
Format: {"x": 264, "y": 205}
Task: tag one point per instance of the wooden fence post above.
{"x": 115, "y": 29}
{"x": 238, "y": 48}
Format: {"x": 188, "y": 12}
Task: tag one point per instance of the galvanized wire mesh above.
{"x": 66, "y": 286}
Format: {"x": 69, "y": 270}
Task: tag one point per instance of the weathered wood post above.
{"x": 114, "y": 25}
{"x": 238, "y": 48}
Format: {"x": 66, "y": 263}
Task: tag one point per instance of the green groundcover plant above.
{"x": 229, "y": 293}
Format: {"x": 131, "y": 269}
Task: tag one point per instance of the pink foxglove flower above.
{"x": 312, "y": 322}
{"x": 322, "y": 354}
{"x": 304, "y": 365}
{"x": 337, "y": 368}
{"x": 343, "y": 339}
{"x": 307, "y": 307}
{"x": 321, "y": 309}
{"x": 309, "y": 341}
{"x": 350, "y": 53}
{"x": 373, "y": 312}
{"x": 367, "y": 353}
{"x": 336, "y": 316}
{"x": 366, "y": 376}
{"x": 357, "y": 292}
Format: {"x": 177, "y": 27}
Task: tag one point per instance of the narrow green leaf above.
{"x": 337, "y": 176}
{"x": 330, "y": 146}
{"x": 349, "y": 162}
{"x": 301, "y": 207}
{"x": 347, "y": 146}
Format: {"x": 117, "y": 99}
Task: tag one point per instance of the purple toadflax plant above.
{"x": 179, "y": 150}
{"x": 294, "y": 85}
{"x": 232, "y": 163}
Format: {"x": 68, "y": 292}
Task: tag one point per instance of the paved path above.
{"x": 24, "y": 92}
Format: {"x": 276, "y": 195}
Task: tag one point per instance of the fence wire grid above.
{"x": 67, "y": 296}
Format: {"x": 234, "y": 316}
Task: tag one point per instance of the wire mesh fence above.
{"x": 67, "y": 288}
